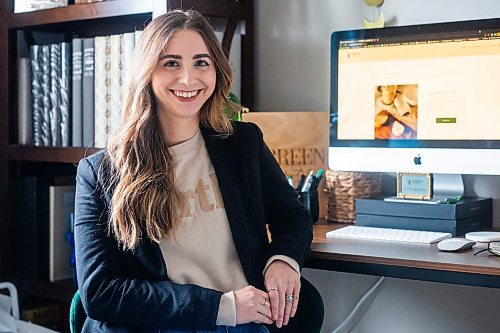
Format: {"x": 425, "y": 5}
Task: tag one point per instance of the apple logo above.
{"x": 417, "y": 160}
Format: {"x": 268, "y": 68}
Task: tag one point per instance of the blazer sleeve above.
{"x": 289, "y": 222}
{"x": 108, "y": 292}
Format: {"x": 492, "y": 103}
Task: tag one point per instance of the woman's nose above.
{"x": 186, "y": 76}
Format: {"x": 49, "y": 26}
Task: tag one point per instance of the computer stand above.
{"x": 444, "y": 186}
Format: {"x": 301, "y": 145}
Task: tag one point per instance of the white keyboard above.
{"x": 387, "y": 234}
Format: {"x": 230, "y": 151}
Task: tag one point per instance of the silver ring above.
{"x": 289, "y": 298}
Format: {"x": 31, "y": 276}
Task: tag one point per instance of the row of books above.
{"x": 71, "y": 94}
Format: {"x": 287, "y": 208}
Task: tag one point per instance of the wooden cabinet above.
{"x": 83, "y": 20}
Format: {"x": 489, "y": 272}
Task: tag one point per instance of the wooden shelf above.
{"x": 80, "y": 12}
{"x": 49, "y": 154}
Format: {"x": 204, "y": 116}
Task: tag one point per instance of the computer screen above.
{"x": 422, "y": 98}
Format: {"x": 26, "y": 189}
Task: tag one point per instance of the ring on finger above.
{"x": 276, "y": 289}
{"x": 289, "y": 298}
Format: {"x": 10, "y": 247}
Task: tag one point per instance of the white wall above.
{"x": 292, "y": 72}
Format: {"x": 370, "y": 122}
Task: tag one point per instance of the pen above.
{"x": 308, "y": 182}
{"x": 319, "y": 174}
{"x": 301, "y": 182}
{"x": 314, "y": 184}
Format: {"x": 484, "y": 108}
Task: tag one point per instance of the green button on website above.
{"x": 446, "y": 120}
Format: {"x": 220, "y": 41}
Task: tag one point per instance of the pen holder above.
{"x": 310, "y": 201}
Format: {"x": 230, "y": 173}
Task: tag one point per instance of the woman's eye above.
{"x": 171, "y": 63}
{"x": 201, "y": 63}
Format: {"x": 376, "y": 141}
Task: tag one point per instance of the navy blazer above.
{"x": 129, "y": 291}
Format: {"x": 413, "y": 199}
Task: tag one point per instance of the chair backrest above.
{"x": 77, "y": 314}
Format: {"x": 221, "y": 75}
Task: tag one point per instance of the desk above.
{"x": 402, "y": 260}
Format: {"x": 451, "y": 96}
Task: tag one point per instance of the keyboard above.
{"x": 387, "y": 234}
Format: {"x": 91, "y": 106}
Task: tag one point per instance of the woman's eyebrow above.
{"x": 173, "y": 56}
{"x": 201, "y": 55}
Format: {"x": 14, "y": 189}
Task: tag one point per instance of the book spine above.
{"x": 36, "y": 94}
{"x": 137, "y": 36}
{"x": 65, "y": 93}
{"x": 116, "y": 69}
{"x": 102, "y": 89}
{"x": 61, "y": 203}
{"x": 24, "y": 102}
{"x": 127, "y": 57}
{"x": 88, "y": 92}
{"x": 46, "y": 102}
{"x": 55, "y": 94}
{"x": 76, "y": 102}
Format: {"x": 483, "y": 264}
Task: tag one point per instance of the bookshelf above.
{"x": 84, "y": 20}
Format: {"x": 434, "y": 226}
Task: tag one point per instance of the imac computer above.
{"x": 423, "y": 98}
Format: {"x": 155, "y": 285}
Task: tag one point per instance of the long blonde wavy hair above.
{"x": 145, "y": 198}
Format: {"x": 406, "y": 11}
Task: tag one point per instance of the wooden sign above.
{"x": 298, "y": 140}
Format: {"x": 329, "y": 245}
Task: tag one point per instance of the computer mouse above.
{"x": 455, "y": 244}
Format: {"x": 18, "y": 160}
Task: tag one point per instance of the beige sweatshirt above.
{"x": 202, "y": 251}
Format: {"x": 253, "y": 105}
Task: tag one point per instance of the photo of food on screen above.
{"x": 396, "y": 111}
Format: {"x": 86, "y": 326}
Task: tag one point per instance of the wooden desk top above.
{"x": 402, "y": 255}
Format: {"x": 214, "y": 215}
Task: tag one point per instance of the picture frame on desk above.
{"x": 414, "y": 185}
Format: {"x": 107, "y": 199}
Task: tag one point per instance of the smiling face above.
{"x": 183, "y": 80}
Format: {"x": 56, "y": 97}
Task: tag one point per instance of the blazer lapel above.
{"x": 220, "y": 152}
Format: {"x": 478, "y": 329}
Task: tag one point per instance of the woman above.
{"x": 170, "y": 226}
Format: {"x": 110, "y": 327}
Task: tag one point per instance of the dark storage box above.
{"x": 469, "y": 214}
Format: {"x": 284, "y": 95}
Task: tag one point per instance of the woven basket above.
{"x": 343, "y": 188}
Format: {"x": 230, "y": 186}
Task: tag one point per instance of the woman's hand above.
{"x": 283, "y": 286}
{"x": 252, "y": 305}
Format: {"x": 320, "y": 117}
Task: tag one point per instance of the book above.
{"x": 88, "y": 92}
{"x": 115, "y": 74}
{"x": 65, "y": 95}
{"x": 21, "y": 6}
{"x": 36, "y": 93}
{"x": 102, "y": 89}
{"x": 62, "y": 202}
{"x": 127, "y": 58}
{"x": 24, "y": 102}
{"x": 137, "y": 36}
{"x": 55, "y": 94}
{"x": 46, "y": 100}
{"x": 76, "y": 100}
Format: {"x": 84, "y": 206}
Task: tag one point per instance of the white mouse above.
{"x": 455, "y": 244}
